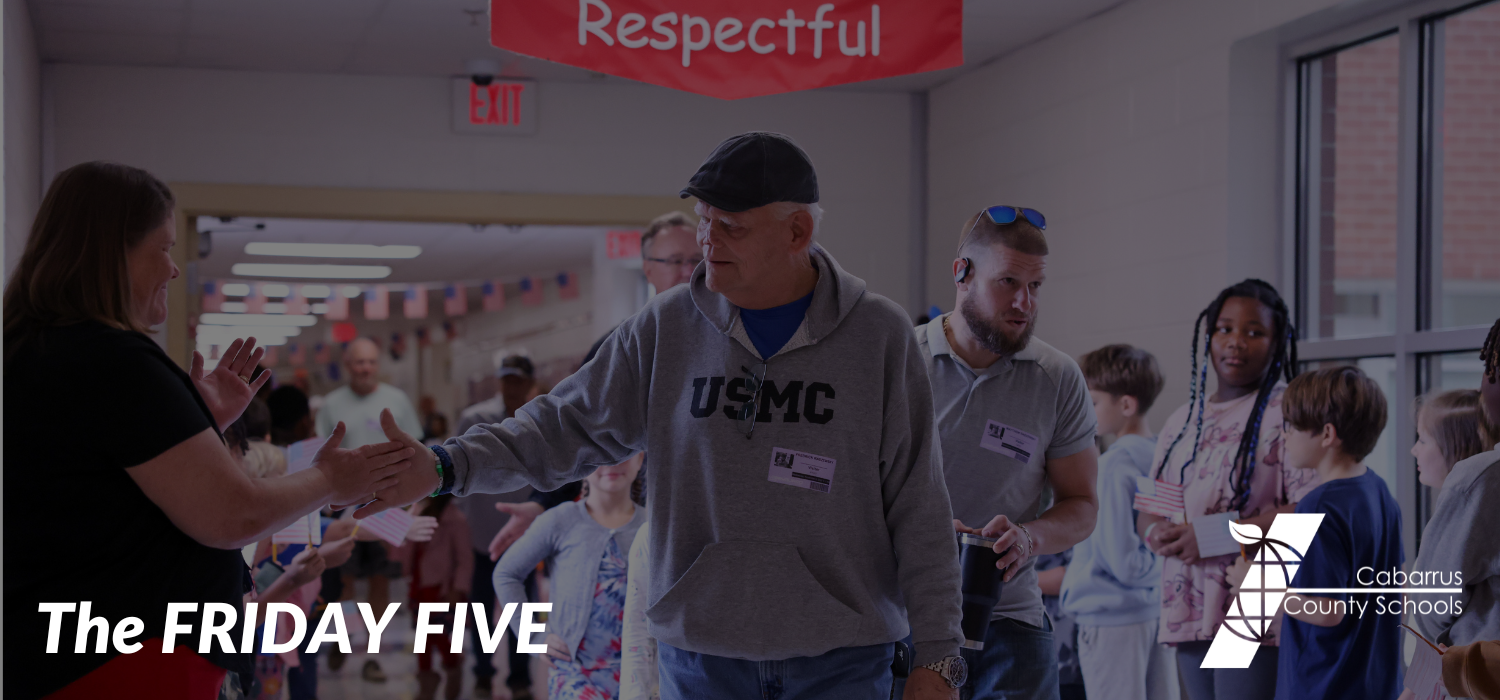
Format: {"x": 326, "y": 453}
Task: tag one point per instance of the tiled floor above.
{"x": 400, "y": 664}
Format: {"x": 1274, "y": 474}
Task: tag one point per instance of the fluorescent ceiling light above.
{"x": 315, "y": 291}
{"x": 334, "y": 250}
{"x": 255, "y": 320}
{"x": 204, "y": 345}
{"x": 341, "y": 272}
{"x": 351, "y": 292}
{"x": 264, "y": 335}
{"x": 234, "y": 307}
{"x": 275, "y": 290}
{"x": 236, "y": 290}
{"x": 320, "y": 308}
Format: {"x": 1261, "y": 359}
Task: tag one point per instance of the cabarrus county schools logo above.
{"x": 1276, "y": 562}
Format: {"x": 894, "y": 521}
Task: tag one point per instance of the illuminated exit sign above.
{"x": 505, "y": 107}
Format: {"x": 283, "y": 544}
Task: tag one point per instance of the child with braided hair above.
{"x": 1226, "y": 451}
{"x": 1461, "y": 535}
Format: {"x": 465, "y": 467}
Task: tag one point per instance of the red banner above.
{"x": 732, "y": 50}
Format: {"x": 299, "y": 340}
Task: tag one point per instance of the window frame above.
{"x": 1414, "y": 343}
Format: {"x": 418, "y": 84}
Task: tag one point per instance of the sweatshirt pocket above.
{"x": 752, "y": 600}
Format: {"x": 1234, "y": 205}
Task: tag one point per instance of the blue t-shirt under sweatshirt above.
{"x": 769, "y": 329}
{"x": 1360, "y": 656}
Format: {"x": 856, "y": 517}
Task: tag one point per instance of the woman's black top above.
{"x": 84, "y": 403}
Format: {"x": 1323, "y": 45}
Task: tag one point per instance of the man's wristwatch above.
{"x": 953, "y": 669}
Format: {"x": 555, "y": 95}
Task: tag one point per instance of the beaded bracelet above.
{"x": 440, "y": 456}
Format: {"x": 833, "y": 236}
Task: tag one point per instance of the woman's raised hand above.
{"x": 358, "y": 473}
{"x": 228, "y": 390}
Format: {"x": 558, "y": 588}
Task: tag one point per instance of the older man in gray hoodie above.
{"x": 799, "y": 522}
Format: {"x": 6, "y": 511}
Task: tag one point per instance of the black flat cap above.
{"x": 753, "y": 170}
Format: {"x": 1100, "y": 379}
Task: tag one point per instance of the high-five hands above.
{"x": 357, "y": 474}
{"x": 228, "y": 390}
{"x": 412, "y": 484}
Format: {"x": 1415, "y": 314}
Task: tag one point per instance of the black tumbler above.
{"x": 981, "y": 586}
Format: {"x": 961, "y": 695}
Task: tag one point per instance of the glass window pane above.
{"x": 1350, "y": 104}
{"x": 1383, "y": 370}
{"x": 1456, "y": 370}
{"x": 1466, "y": 149}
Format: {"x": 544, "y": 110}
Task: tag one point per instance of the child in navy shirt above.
{"x": 1338, "y": 644}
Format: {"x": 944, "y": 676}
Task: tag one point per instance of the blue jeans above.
{"x": 851, "y": 673}
{"x": 1019, "y": 662}
{"x": 1255, "y": 683}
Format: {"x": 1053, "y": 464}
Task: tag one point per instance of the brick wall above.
{"x": 1471, "y": 146}
{"x": 1364, "y": 92}
{"x": 1363, "y": 82}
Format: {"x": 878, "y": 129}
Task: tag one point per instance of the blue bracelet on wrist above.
{"x": 445, "y": 470}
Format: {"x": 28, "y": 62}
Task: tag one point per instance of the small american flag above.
{"x": 271, "y": 358}
{"x": 338, "y": 307}
{"x": 378, "y": 303}
{"x": 567, "y": 285}
{"x": 255, "y": 301}
{"x": 450, "y": 330}
{"x": 415, "y": 305}
{"x": 320, "y": 353}
{"x": 494, "y": 296}
{"x": 1158, "y": 497}
{"x": 455, "y": 300}
{"x": 305, "y": 530}
{"x": 296, "y": 354}
{"x": 296, "y": 304}
{"x": 531, "y": 291}
{"x": 213, "y": 297}
{"x": 390, "y": 525}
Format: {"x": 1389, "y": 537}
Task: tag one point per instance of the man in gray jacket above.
{"x": 799, "y": 519}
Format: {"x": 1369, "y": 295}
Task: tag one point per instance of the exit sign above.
{"x": 502, "y": 107}
{"x": 621, "y": 245}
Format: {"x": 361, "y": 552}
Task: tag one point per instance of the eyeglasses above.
{"x": 677, "y": 262}
{"x": 1002, "y": 214}
{"x": 745, "y": 418}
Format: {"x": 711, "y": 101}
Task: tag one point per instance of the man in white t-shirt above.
{"x": 358, "y": 406}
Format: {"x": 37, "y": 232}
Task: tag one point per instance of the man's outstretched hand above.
{"x": 412, "y": 484}
{"x": 362, "y": 471}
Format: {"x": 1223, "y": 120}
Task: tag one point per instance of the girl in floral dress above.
{"x": 588, "y": 542}
{"x": 1225, "y": 449}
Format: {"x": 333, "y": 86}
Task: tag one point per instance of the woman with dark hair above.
{"x": 99, "y": 418}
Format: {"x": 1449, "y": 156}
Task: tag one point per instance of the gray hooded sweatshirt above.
{"x": 853, "y": 538}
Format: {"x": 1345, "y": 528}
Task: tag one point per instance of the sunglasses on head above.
{"x": 1000, "y": 215}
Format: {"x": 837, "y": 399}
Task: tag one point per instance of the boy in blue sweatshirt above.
{"x": 1113, "y": 586}
{"x": 1337, "y": 644}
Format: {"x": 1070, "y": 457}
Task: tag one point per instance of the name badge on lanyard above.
{"x": 1010, "y": 441}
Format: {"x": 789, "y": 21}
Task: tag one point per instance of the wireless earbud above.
{"x": 963, "y": 270}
